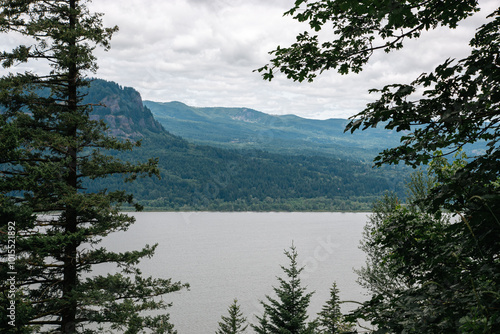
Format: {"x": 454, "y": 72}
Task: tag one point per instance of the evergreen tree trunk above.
{"x": 68, "y": 316}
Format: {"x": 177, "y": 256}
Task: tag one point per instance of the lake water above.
{"x": 238, "y": 255}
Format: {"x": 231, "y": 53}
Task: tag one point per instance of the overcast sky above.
{"x": 203, "y": 53}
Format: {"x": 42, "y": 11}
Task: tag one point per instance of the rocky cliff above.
{"x": 122, "y": 109}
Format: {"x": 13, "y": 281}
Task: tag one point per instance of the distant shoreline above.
{"x": 131, "y": 210}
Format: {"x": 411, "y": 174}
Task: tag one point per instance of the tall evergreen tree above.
{"x": 234, "y": 323}
{"x": 51, "y": 147}
{"x": 287, "y": 314}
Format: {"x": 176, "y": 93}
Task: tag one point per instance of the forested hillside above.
{"x": 195, "y": 177}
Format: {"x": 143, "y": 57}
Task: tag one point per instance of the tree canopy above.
{"x": 360, "y": 29}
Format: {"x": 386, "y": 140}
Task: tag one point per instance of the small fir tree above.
{"x": 288, "y": 312}
{"x": 331, "y": 320}
{"x": 235, "y": 323}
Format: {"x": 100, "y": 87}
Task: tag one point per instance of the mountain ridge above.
{"x": 249, "y": 128}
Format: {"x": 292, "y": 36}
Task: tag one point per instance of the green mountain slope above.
{"x": 247, "y": 128}
{"x": 196, "y": 177}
